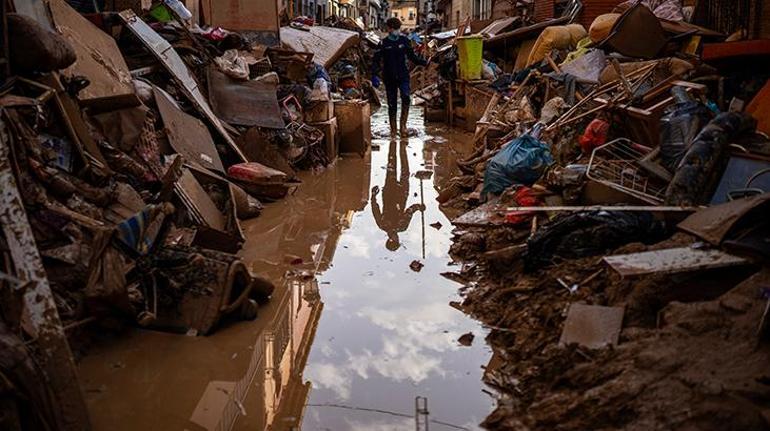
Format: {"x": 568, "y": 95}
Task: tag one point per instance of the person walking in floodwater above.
{"x": 390, "y": 61}
{"x": 394, "y": 217}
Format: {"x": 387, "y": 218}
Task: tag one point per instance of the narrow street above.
{"x": 347, "y": 349}
{"x": 207, "y": 226}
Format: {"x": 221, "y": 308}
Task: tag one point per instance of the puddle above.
{"x": 348, "y": 349}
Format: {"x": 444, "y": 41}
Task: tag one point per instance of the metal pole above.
{"x": 422, "y": 218}
{"x": 421, "y": 414}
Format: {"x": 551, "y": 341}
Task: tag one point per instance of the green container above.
{"x": 470, "y": 49}
{"x": 161, "y": 13}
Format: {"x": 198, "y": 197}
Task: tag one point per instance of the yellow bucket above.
{"x": 469, "y": 50}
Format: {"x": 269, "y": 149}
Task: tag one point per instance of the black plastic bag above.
{"x": 586, "y": 234}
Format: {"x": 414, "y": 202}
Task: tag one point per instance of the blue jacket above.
{"x": 390, "y": 59}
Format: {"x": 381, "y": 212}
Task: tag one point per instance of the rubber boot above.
{"x": 393, "y": 125}
{"x": 404, "y": 116}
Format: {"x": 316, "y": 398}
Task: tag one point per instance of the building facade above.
{"x": 406, "y": 11}
{"x": 481, "y": 9}
{"x": 373, "y": 14}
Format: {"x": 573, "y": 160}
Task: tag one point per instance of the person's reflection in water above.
{"x": 394, "y": 217}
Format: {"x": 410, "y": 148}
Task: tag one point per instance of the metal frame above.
{"x": 616, "y": 165}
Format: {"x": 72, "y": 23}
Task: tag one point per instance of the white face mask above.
{"x": 395, "y": 33}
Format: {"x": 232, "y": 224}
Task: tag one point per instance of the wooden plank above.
{"x": 201, "y": 201}
{"x": 40, "y": 314}
{"x": 671, "y": 261}
{"x": 714, "y": 223}
{"x": 75, "y": 123}
{"x": 187, "y": 135}
{"x": 98, "y": 59}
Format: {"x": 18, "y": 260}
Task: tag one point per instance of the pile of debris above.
{"x": 613, "y": 226}
{"x": 132, "y": 145}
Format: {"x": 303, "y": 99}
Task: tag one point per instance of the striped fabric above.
{"x": 131, "y": 231}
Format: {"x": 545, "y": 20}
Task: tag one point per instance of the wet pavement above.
{"x": 352, "y": 335}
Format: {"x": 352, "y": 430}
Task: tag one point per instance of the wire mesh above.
{"x": 616, "y": 165}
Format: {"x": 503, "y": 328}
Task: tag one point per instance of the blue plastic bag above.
{"x": 522, "y": 161}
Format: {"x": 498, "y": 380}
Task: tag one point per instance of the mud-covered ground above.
{"x": 688, "y": 357}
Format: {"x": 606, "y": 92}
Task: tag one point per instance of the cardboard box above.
{"x": 331, "y": 136}
{"x": 319, "y": 112}
{"x": 355, "y": 128}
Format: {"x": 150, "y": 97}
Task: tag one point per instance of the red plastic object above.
{"x": 594, "y": 136}
{"x": 216, "y": 34}
{"x": 255, "y": 173}
{"x": 524, "y": 197}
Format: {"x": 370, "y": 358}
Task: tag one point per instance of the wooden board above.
{"x": 714, "y": 223}
{"x": 40, "y": 316}
{"x": 187, "y": 135}
{"x": 671, "y": 261}
{"x": 244, "y": 103}
{"x": 203, "y": 203}
{"x": 592, "y": 326}
{"x": 98, "y": 59}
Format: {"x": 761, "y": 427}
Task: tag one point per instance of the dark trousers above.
{"x": 392, "y": 88}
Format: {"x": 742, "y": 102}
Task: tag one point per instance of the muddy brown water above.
{"x": 352, "y": 334}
